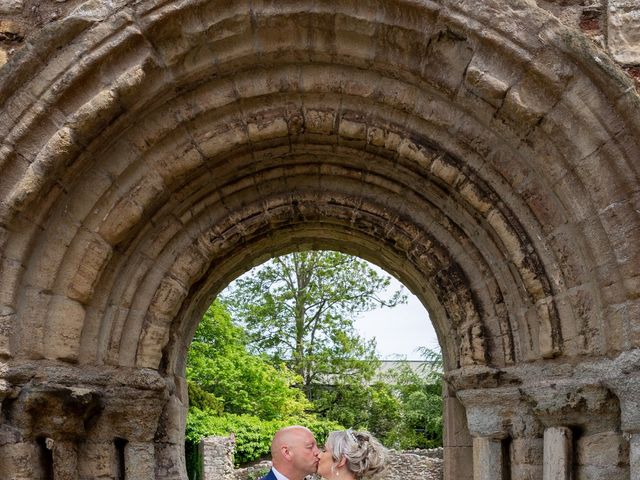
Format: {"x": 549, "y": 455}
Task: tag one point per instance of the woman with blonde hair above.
{"x": 350, "y": 455}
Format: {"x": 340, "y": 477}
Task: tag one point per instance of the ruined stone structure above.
{"x": 487, "y": 153}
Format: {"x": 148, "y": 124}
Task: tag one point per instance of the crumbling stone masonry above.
{"x": 216, "y": 455}
{"x": 486, "y": 153}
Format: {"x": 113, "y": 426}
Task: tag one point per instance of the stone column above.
{"x": 488, "y": 463}
{"x": 634, "y": 456}
{"x": 526, "y": 458}
{"x": 65, "y": 460}
{"x": 139, "y": 461}
{"x": 558, "y": 455}
{"x": 490, "y": 413}
{"x": 458, "y": 444}
{"x": 21, "y": 461}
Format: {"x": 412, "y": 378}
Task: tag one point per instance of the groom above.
{"x": 294, "y": 454}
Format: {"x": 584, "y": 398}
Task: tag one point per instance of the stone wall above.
{"x": 614, "y": 25}
{"x": 217, "y": 463}
{"x": 217, "y": 457}
{"x": 415, "y": 465}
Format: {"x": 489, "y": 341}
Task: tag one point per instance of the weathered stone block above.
{"x": 11, "y": 6}
{"x": 217, "y": 457}
{"x": 65, "y": 460}
{"x": 173, "y": 161}
{"x": 8, "y": 321}
{"x": 96, "y": 254}
{"x": 267, "y": 129}
{"x": 3, "y": 56}
{"x": 634, "y": 456}
{"x": 97, "y": 460}
{"x": 154, "y": 337}
{"x": 10, "y": 274}
{"x": 525, "y": 472}
{"x": 527, "y": 451}
{"x": 139, "y": 461}
{"x": 458, "y": 463}
{"x": 222, "y": 140}
{"x": 21, "y": 461}
{"x": 456, "y": 432}
{"x": 611, "y": 472}
{"x": 190, "y": 265}
{"x": 623, "y": 31}
{"x": 602, "y": 449}
{"x": 486, "y": 86}
{"x": 94, "y": 115}
{"x": 352, "y": 129}
{"x": 168, "y": 298}
{"x": 31, "y": 321}
{"x": 66, "y": 318}
{"x": 447, "y": 59}
{"x": 123, "y": 217}
{"x": 318, "y": 121}
{"x": 422, "y": 156}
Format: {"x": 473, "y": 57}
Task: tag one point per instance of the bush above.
{"x": 253, "y": 435}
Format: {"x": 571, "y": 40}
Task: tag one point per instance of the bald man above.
{"x": 294, "y": 454}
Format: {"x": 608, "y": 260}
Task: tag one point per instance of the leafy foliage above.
{"x": 223, "y": 376}
{"x": 231, "y": 390}
{"x": 253, "y": 435}
{"x": 404, "y": 410}
{"x": 417, "y": 422}
{"x": 301, "y": 308}
{"x": 385, "y": 410}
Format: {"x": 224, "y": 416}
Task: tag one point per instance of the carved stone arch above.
{"x": 151, "y": 151}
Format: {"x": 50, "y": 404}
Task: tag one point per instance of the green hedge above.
{"x": 253, "y": 435}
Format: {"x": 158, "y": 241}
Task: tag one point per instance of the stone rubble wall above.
{"x": 217, "y": 456}
{"x": 614, "y": 25}
{"x": 217, "y": 463}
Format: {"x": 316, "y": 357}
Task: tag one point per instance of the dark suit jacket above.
{"x": 269, "y": 476}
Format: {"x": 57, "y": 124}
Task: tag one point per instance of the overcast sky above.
{"x": 401, "y": 330}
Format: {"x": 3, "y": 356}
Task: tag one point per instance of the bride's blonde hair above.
{"x": 365, "y": 455}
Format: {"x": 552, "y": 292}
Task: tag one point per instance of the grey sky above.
{"x": 401, "y": 330}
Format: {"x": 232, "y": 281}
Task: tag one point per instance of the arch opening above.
{"x": 152, "y": 151}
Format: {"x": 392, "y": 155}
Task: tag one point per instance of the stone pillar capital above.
{"x": 67, "y": 410}
{"x": 489, "y": 410}
{"x": 572, "y": 402}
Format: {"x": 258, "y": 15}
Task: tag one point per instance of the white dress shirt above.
{"x": 278, "y": 475}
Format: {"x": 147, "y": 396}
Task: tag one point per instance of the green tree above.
{"x": 232, "y": 391}
{"x": 384, "y": 412}
{"x": 224, "y": 376}
{"x": 419, "y": 393}
{"x": 301, "y": 308}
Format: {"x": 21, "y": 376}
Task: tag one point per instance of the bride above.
{"x": 349, "y": 455}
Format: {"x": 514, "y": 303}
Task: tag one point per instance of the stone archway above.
{"x": 152, "y": 152}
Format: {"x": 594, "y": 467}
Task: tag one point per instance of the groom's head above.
{"x": 294, "y": 452}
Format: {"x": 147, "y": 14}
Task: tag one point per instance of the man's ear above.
{"x": 284, "y": 449}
